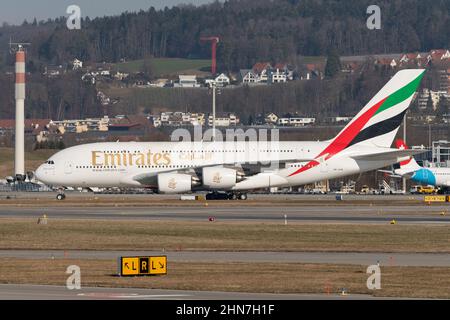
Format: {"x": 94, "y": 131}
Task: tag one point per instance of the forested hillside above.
{"x": 249, "y": 30}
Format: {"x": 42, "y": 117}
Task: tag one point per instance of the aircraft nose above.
{"x": 39, "y": 173}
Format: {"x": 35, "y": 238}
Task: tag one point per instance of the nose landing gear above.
{"x": 60, "y": 196}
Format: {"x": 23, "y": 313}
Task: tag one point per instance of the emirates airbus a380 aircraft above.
{"x": 179, "y": 167}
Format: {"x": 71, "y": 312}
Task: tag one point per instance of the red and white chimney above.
{"x": 19, "y": 160}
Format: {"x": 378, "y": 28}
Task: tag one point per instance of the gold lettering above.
{"x": 156, "y": 158}
{"x": 140, "y": 161}
{"x": 167, "y": 159}
{"x": 130, "y": 159}
{"x": 112, "y": 159}
{"x": 94, "y": 158}
{"x": 149, "y": 157}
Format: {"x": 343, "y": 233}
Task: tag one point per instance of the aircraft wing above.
{"x": 387, "y": 155}
{"x": 391, "y": 173}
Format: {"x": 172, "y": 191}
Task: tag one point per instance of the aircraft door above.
{"x": 68, "y": 167}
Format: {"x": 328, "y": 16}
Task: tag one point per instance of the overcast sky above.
{"x": 16, "y": 11}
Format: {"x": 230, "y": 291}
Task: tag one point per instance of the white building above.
{"x": 301, "y": 121}
{"x": 261, "y": 69}
{"x": 341, "y": 119}
{"x": 77, "y": 64}
{"x": 224, "y": 120}
{"x": 222, "y": 80}
{"x": 277, "y": 76}
{"x": 105, "y": 73}
{"x": 271, "y": 118}
{"x": 178, "y": 119}
{"x": 248, "y": 77}
{"x": 283, "y": 121}
{"x": 296, "y": 121}
{"x": 187, "y": 81}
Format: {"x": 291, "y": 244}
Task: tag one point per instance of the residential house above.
{"x": 387, "y": 62}
{"x": 276, "y": 76}
{"x": 77, "y": 64}
{"x": 187, "y": 81}
{"x": 31, "y": 125}
{"x": 196, "y": 119}
{"x": 105, "y": 73}
{"x": 439, "y": 54}
{"x": 271, "y": 118}
{"x": 283, "y": 121}
{"x": 286, "y": 69}
{"x": 289, "y": 120}
{"x": 248, "y": 76}
{"x": 224, "y": 120}
{"x": 262, "y": 70}
{"x": 312, "y": 71}
{"x": 340, "y": 119}
{"x": 222, "y": 80}
{"x": 159, "y": 83}
{"x": 121, "y": 75}
{"x": 410, "y": 57}
{"x": 415, "y": 59}
{"x": 80, "y": 125}
{"x": 295, "y": 122}
{"x": 178, "y": 119}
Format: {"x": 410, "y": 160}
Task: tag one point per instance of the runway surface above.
{"x": 39, "y": 292}
{"x": 304, "y": 213}
{"x": 355, "y": 258}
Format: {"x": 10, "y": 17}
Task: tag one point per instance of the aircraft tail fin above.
{"x": 378, "y": 122}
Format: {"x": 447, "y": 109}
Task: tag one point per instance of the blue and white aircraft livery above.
{"x": 439, "y": 177}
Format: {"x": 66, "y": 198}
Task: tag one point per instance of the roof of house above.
{"x": 281, "y": 66}
{"x": 260, "y": 66}
{"x": 244, "y": 72}
{"x": 438, "y": 54}
{"x": 385, "y": 61}
{"x": 29, "y": 123}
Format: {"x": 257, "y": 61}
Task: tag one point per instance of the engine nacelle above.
{"x": 220, "y": 178}
{"x": 174, "y": 182}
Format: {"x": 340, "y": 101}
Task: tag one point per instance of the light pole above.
{"x": 404, "y": 139}
{"x": 214, "y": 110}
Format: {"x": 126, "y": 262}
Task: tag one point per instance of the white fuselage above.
{"x": 123, "y": 164}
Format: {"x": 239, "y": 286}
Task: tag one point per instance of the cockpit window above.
{"x": 50, "y": 162}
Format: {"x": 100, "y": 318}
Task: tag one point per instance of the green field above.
{"x": 165, "y": 66}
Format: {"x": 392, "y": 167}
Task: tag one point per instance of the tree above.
{"x": 333, "y": 66}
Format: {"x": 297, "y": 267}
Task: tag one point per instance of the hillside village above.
{"x": 262, "y": 73}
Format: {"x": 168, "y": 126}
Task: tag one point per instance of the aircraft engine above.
{"x": 175, "y": 182}
{"x": 220, "y": 178}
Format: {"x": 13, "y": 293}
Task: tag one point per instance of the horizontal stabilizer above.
{"x": 387, "y": 155}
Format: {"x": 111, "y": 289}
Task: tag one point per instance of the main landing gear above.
{"x": 226, "y": 196}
